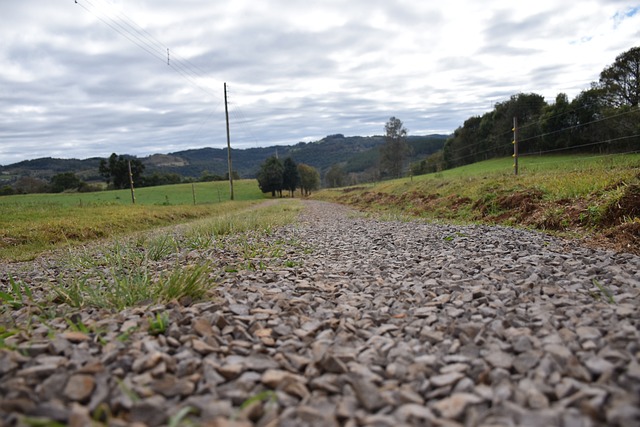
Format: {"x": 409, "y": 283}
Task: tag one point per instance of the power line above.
{"x": 141, "y": 46}
{"x": 129, "y": 29}
{"x": 240, "y": 116}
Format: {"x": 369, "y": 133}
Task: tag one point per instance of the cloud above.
{"x": 88, "y": 79}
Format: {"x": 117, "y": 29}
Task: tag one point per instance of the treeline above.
{"x": 115, "y": 173}
{"x": 602, "y": 119}
{"x": 276, "y": 176}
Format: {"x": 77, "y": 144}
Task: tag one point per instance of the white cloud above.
{"x": 91, "y": 78}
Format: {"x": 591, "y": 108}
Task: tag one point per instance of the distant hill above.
{"x": 355, "y": 154}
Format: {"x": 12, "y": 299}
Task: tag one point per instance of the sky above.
{"x": 86, "y": 78}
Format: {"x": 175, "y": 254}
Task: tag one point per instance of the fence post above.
{"x": 515, "y": 145}
{"x": 133, "y": 196}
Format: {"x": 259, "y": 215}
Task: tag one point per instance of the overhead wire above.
{"x": 123, "y": 34}
{"x": 240, "y": 116}
{"x": 129, "y": 29}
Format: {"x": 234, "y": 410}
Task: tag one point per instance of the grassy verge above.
{"x": 597, "y": 197}
{"x": 160, "y": 266}
{"x": 32, "y": 224}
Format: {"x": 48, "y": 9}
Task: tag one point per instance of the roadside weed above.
{"x": 179, "y": 418}
{"x": 161, "y": 247}
{"x": 191, "y": 282}
{"x": 18, "y": 291}
{"x": 4, "y": 334}
{"x": 604, "y": 291}
{"x": 158, "y": 324}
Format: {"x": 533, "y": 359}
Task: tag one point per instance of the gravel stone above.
{"x": 350, "y": 320}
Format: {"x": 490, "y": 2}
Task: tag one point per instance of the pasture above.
{"x": 31, "y": 224}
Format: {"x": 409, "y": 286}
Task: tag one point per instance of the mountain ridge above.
{"x": 355, "y": 154}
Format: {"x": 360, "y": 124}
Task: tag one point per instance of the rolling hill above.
{"x": 355, "y": 154}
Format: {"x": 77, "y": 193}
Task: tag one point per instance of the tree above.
{"x": 65, "y": 181}
{"x": 487, "y": 136}
{"x": 116, "y": 170}
{"x": 270, "y": 176}
{"x": 395, "y": 149}
{"x": 620, "y": 82}
{"x": 7, "y": 190}
{"x": 234, "y": 174}
{"x": 290, "y": 176}
{"x": 434, "y": 163}
{"x": 30, "y": 185}
{"x": 309, "y": 179}
{"x": 335, "y": 177}
{"x": 557, "y": 120}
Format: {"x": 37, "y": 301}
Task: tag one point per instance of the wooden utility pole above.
{"x": 226, "y": 113}
{"x": 515, "y": 145}
{"x": 133, "y": 197}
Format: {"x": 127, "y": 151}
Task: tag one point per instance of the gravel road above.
{"x": 360, "y": 323}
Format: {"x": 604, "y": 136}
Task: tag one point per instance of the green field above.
{"x": 30, "y": 224}
{"x": 179, "y": 194}
{"x": 589, "y": 196}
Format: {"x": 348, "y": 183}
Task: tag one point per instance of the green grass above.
{"x": 560, "y": 193}
{"x": 557, "y": 177}
{"x": 156, "y": 267}
{"x": 122, "y": 273}
{"x": 31, "y": 224}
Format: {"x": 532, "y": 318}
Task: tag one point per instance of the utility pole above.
{"x": 226, "y": 113}
{"x": 515, "y": 145}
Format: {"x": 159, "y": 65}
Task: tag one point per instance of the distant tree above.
{"x": 207, "y": 176}
{"x": 488, "y": 136}
{"x": 116, "y": 170}
{"x": 290, "y": 176}
{"x": 309, "y": 178}
{"x": 395, "y": 149}
{"x": 159, "y": 179}
{"x": 65, "y": 181}
{"x": 620, "y": 82}
{"x": 556, "y": 119}
{"x": 335, "y": 177}
{"x": 7, "y": 190}
{"x": 234, "y": 174}
{"x": 30, "y": 185}
{"x": 433, "y": 163}
{"x": 270, "y": 176}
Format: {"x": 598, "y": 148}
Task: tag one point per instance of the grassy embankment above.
{"x": 31, "y": 224}
{"x": 593, "y": 197}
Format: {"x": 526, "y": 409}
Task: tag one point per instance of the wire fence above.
{"x": 602, "y": 136}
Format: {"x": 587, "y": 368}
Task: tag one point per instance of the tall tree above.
{"x": 309, "y": 178}
{"x": 395, "y": 149}
{"x": 335, "y": 177}
{"x": 620, "y": 82}
{"x": 65, "y": 181}
{"x": 290, "y": 176}
{"x": 116, "y": 170}
{"x": 270, "y": 176}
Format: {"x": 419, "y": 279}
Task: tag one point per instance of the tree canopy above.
{"x": 116, "y": 170}
{"x": 395, "y": 149}
{"x": 620, "y": 82}
{"x": 65, "y": 181}
{"x": 309, "y": 178}
{"x": 290, "y": 176}
{"x": 270, "y": 176}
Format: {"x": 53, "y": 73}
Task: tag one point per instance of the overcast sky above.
{"x": 73, "y": 86}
